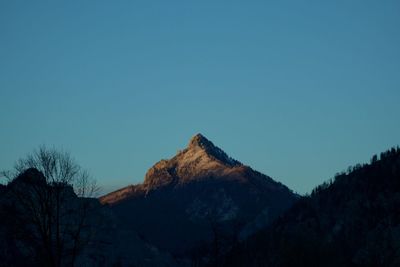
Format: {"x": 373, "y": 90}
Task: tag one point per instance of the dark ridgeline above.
{"x": 199, "y": 203}
{"x": 352, "y": 220}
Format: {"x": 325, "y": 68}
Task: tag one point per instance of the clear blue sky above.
{"x": 298, "y": 90}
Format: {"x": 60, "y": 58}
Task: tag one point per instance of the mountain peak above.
{"x": 201, "y": 159}
{"x": 200, "y": 141}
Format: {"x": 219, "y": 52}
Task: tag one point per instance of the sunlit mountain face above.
{"x": 188, "y": 201}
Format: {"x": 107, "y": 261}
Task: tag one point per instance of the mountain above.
{"x": 199, "y": 196}
{"x": 352, "y": 220}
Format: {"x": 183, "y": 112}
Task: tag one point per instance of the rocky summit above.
{"x": 183, "y": 200}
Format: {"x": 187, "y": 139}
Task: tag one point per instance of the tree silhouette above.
{"x": 48, "y": 199}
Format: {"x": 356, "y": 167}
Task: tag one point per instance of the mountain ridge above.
{"x": 190, "y": 193}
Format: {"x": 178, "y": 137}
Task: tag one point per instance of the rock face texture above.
{"x": 196, "y": 197}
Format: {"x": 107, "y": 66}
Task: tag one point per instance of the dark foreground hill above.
{"x": 199, "y": 202}
{"x": 353, "y": 220}
{"x": 47, "y": 224}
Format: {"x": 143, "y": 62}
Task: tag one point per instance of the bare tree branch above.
{"x": 50, "y": 192}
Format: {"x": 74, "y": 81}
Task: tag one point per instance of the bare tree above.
{"x": 50, "y": 194}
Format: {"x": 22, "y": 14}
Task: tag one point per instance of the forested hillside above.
{"x": 352, "y": 220}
